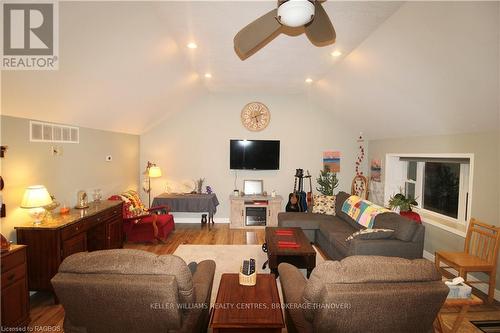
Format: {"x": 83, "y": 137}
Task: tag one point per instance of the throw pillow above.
{"x": 371, "y": 234}
{"x": 324, "y": 204}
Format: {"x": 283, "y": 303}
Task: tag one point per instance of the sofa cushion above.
{"x": 339, "y": 201}
{"x": 302, "y": 220}
{"x": 365, "y": 269}
{"x": 404, "y": 229}
{"x": 371, "y": 234}
{"x": 132, "y": 262}
{"x": 336, "y": 231}
{"x": 341, "y": 198}
{"x": 324, "y": 204}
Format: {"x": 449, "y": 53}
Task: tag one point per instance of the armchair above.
{"x": 133, "y": 291}
{"x": 363, "y": 294}
{"x": 141, "y": 224}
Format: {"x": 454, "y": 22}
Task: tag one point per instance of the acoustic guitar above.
{"x": 301, "y": 193}
{"x": 293, "y": 204}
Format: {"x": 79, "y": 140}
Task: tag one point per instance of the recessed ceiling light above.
{"x": 208, "y": 75}
{"x": 309, "y": 80}
{"x": 336, "y": 54}
{"x": 192, "y": 45}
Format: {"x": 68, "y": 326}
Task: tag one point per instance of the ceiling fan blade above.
{"x": 320, "y": 31}
{"x": 256, "y": 35}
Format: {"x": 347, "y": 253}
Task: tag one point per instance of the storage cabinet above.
{"x": 15, "y": 296}
{"x": 237, "y": 214}
{"x": 247, "y": 207}
{"x": 98, "y": 227}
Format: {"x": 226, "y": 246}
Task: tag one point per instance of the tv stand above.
{"x": 255, "y": 211}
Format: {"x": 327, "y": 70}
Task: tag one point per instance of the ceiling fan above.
{"x": 309, "y": 14}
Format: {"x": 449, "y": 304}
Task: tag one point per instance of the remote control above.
{"x": 246, "y": 267}
{"x": 252, "y": 266}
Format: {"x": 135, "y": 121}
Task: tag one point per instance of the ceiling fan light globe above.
{"x": 295, "y": 13}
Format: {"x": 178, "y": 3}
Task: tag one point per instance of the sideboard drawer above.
{"x": 111, "y": 212}
{"x": 72, "y": 230}
{"x": 12, "y": 260}
{"x": 11, "y": 276}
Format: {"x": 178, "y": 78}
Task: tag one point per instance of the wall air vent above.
{"x": 47, "y": 132}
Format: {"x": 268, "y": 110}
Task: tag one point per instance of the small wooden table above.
{"x": 303, "y": 256}
{"x": 463, "y": 304}
{"x": 247, "y": 308}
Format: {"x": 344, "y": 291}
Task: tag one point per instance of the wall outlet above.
{"x": 109, "y": 158}
{"x": 56, "y": 150}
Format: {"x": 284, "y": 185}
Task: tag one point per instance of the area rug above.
{"x": 488, "y": 326}
{"x": 228, "y": 259}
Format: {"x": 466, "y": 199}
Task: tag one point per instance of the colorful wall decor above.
{"x": 331, "y": 159}
{"x": 375, "y": 170}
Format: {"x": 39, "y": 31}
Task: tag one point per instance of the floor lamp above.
{"x": 152, "y": 171}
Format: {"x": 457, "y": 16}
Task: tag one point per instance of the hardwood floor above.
{"x": 45, "y": 315}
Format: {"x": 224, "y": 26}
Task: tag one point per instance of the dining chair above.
{"x": 480, "y": 254}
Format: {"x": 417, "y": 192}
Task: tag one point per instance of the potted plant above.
{"x": 399, "y": 202}
{"x": 327, "y": 181}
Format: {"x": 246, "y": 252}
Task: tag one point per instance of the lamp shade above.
{"x": 36, "y": 196}
{"x": 154, "y": 172}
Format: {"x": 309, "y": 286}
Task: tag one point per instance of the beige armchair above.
{"x": 363, "y": 294}
{"x": 133, "y": 291}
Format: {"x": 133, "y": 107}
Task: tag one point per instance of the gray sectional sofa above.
{"x": 330, "y": 232}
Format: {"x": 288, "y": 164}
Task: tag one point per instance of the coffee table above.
{"x": 247, "y": 308}
{"x": 303, "y": 256}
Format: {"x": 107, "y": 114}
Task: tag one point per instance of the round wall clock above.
{"x": 255, "y": 116}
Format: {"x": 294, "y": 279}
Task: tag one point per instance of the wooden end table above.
{"x": 302, "y": 257}
{"x": 463, "y": 304}
{"x": 247, "y": 308}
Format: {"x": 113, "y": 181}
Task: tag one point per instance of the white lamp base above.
{"x": 38, "y": 215}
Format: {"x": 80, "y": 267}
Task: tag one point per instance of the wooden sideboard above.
{"x": 15, "y": 295}
{"x": 241, "y": 206}
{"x": 98, "y": 227}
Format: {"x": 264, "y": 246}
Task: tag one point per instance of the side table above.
{"x": 463, "y": 304}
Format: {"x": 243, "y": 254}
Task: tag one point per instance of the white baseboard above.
{"x": 198, "y": 220}
{"x": 482, "y": 287}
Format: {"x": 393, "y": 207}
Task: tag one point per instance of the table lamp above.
{"x": 152, "y": 171}
{"x": 35, "y": 199}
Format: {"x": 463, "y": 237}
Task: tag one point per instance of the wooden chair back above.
{"x": 483, "y": 241}
{"x": 359, "y": 186}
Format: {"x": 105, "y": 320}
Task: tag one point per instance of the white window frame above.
{"x": 396, "y": 176}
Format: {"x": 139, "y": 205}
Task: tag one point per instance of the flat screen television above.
{"x": 254, "y": 155}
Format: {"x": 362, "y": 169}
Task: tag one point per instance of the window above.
{"x": 440, "y": 184}
{"x": 441, "y": 188}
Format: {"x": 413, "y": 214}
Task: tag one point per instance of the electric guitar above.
{"x": 293, "y": 198}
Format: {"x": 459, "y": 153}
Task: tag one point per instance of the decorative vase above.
{"x": 412, "y": 216}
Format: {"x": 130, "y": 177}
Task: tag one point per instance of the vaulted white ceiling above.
{"x": 125, "y": 66}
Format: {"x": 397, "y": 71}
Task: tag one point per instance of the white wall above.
{"x": 81, "y": 167}
{"x": 194, "y": 143}
{"x": 429, "y": 69}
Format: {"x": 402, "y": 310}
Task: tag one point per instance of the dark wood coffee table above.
{"x": 247, "y": 308}
{"x": 302, "y": 257}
